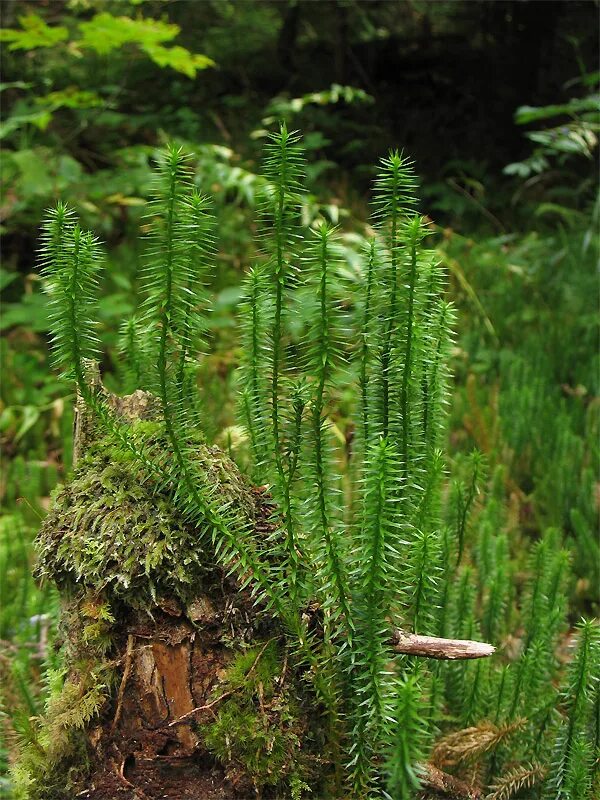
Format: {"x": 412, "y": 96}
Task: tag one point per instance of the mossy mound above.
{"x": 115, "y": 530}
{"x": 259, "y": 729}
{"x": 171, "y": 679}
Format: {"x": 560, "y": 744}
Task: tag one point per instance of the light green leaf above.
{"x": 14, "y": 84}
{"x": 40, "y": 119}
{"x": 35, "y": 33}
{"x": 526, "y": 114}
{"x": 120, "y": 199}
{"x": 178, "y": 58}
{"x": 35, "y": 177}
{"x": 31, "y": 414}
{"x": 71, "y": 97}
{"x": 105, "y": 33}
{"x": 6, "y": 278}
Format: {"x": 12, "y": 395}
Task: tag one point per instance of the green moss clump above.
{"x": 259, "y": 730}
{"x": 243, "y": 735}
{"x": 257, "y": 666}
{"x": 53, "y": 748}
{"x": 114, "y": 529}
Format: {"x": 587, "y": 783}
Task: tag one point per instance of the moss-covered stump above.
{"x": 173, "y": 684}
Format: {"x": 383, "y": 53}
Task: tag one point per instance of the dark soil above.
{"x": 165, "y": 778}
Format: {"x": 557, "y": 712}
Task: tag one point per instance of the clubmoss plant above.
{"x": 339, "y": 569}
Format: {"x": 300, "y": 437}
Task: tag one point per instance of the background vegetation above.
{"x": 497, "y": 102}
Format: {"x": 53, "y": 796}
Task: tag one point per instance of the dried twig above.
{"x": 205, "y": 707}
{"x": 124, "y": 679}
{"x": 411, "y": 644}
{"x": 140, "y": 794}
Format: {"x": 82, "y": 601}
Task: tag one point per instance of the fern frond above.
{"x": 198, "y": 227}
{"x": 180, "y": 249}
{"x": 66, "y": 250}
{"x": 543, "y": 612}
{"x": 407, "y": 749}
{"x": 372, "y": 270}
{"x": 421, "y": 577}
{"x": 394, "y": 199}
{"x": 131, "y": 350}
{"x": 283, "y": 168}
{"x": 464, "y": 497}
{"x": 295, "y": 556}
{"x": 255, "y": 314}
{"x": 325, "y": 532}
{"x": 497, "y": 590}
{"x": 435, "y": 381}
{"x": 415, "y": 232}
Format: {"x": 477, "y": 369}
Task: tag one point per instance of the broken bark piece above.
{"x": 434, "y": 780}
{"x": 412, "y": 644}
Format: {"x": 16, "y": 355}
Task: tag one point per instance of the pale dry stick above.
{"x": 206, "y": 707}
{"x": 281, "y": 678}
{"x": 139, "y": 793}
{"x": 124, "y": 679}
{"x": 412, "y": 644}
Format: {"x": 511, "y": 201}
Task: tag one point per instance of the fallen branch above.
{"x": 411, "y": 644}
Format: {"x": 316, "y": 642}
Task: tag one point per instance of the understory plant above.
{"x": 364, "y": 537}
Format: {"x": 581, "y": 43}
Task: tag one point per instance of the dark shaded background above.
{"x": 445, "y": 78}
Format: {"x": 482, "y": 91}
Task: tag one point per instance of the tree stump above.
{"x": 172, "y": 683}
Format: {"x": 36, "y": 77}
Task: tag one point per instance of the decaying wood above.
{"x": 83, "y": 418}
{"x": 411, "y": 644}
{"x": 433, "y": 779}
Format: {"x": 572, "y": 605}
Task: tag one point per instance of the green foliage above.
{"x": 85, "y": 123}
{"x": 368, "y": 538}
{"x": 578, "y": 136}
{"x": 71, "y": 264}
{"x": 531, "y": 406}
{"x": 105, "y": 33}
{"x": 34, "y": 33}
{"x": 355, "y": 596}
{"x": 52, "y": 743}
{"x": 53, "y": 748}
{"x": 571, "y": 771}
{"x": 407, "y": 749}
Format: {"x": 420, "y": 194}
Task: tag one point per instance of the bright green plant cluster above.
{"x": 362, "y": 532}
